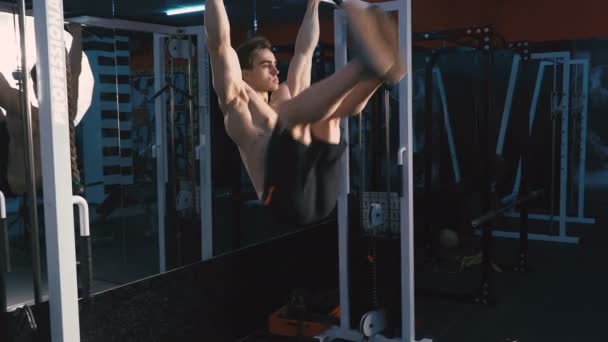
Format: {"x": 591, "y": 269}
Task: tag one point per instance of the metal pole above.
{"x": 159, "y": 150}
{"x": 340, "y": 58}
{"x": 4, "y": 253}
{"x": 29, "y": 161}
{"x": 57, "y": 180}
{"x": 206, "y": 189}
{"x": 172, "y": 223}
{"x": 428, "y": 153}
{"x": 190, "y": 126}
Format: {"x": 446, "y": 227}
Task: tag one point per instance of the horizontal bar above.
{"x": 474, "y": 31}
{"x": 544, "y": 55}
{"x": 494, "y": 213}
{"x": 537, "y": 237}
{"x": 545, "y": 217}
{"x": 122, "y": 24}
{"x": 191, "y": 30}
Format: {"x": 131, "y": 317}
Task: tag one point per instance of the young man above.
{"x": 290, "y": 142}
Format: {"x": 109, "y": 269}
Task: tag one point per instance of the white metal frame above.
{"x": 344, "y": 331}
{"x": 159, "y": 150}
{"x": 57, "y": 182}
{"x": 549, "y": 59}
{"x": 203, "y": 150}
{"x": 61, "y": 258}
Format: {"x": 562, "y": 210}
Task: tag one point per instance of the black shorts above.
{"x": 301, "y": 182}
{"x": 4, "y": 140}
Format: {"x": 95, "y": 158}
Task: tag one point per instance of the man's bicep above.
{"x": 226, "y": 73}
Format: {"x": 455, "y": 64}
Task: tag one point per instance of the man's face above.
{"x": 263, "y": 75}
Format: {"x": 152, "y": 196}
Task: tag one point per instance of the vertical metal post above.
{"x": 428, "y": 152}
{"x": 206, "y": 189}
{"x": 4, "y": 254}
{"x": 407, "y": 200}
{"x": 30, "y": 176}
{"x": 57, "y": 182}
{"x": 583, "y": 141}
{"x": 172, "y": 226}
{"x": 160, "y": 145}
{"x": 340, "y": 58}
{"x": 563, "y": 186}
{"x": 447, "y": 124}
{"x": 506, "y": 113}
{"x": 532, "y": 115}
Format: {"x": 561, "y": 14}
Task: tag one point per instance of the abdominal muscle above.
{"x": 251, "y": 129}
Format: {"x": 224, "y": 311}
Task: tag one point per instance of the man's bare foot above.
{"x": 375, "y": 38}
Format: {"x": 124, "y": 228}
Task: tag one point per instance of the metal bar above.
{"x": 537, "y": 237}
{"x": 30, "y": 175}
{"x": 452, "y": 34}
{"x": 192, "y": 30}
{"x": 545, "y": 217}
{"x": 565, "y": 104}
{"x": 532, "y": 115}
{"x": 171, "y": 213}
{"x": 428, "y": 152}
{"x": 475, "y": 223}
{"x": 206, "y": 188}
{"x": 121, "y": 24}
{"x": 85, "y": 238}
{"x": 506, "y": 113}
{"x": 190, "y": 125}
{"x": 406, "y": 219}
{"x": 448, "y": 125}
{"x": 4, "y": 254}
{"x": 160, "y": 145}
{"x": 582, "y": 166}
{"x": 386, "y": 94}
{"x": 340, "y": 58}
{"x": 57, "y": 182}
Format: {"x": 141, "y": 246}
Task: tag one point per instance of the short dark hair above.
{"x": 245, "y": 51}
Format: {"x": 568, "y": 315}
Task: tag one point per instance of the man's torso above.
{"x": 250, "y": 122}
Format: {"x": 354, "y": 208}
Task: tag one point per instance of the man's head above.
{"x": 258, "y": 64}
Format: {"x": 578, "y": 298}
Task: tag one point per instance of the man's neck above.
{"x": 264, "y": 95}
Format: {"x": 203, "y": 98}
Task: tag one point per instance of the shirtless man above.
{"x": 290, "y": 142}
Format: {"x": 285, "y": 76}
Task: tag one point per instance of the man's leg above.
{"x": 322, "y": 99}
{"x": 328, "y": 129}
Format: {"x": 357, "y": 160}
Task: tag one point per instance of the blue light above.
{"x": 185, "y": 9}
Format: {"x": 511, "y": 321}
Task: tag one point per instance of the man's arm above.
{"x": 225, "y": 67}
{"x": 298, "y": 74}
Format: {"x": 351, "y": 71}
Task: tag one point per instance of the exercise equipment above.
{"x": 5, "y": 261}
{"x": 567, "y": 110}
{"x": 404, "y": 158}
{"x": 30, "y": 176}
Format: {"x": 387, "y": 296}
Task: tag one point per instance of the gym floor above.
{"x": 560, "y": 298}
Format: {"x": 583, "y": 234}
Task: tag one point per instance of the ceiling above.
{"x": 240, "y": 12}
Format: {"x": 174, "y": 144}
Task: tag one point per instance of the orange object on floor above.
{"x": 280, "y": 324}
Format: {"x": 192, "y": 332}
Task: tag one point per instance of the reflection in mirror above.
{"x": 20, "y": 170}
{"x": 117, "y": 138}
{"x": 146, "y": 92}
